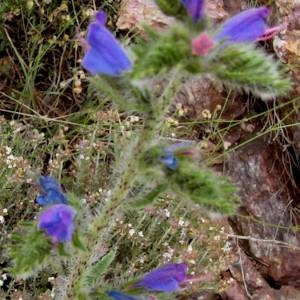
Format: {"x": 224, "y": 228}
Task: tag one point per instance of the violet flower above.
{"x": 166, "y": 278}
{"x": 57, "y": 222}
{"x": 194, "y": 8}
{"x": 51, "y": 192}
{"x": 247, "y": 26}
{"x": 116, "y": 295}
{"x": 169, "y": 158}
{"x": 104, "y": 54}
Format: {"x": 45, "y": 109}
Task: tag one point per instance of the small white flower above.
{"x": 7, "y": 150}
{"x": 181, "y": 222}
{"x": 131, "y": 232}
{"x": 1, "y": 219}
{"x": 167, "y": 212}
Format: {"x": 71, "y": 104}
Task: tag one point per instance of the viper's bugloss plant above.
{"x": 57, "y": 222}
{"x": 148, "y": 169}
{"x": 51, "y": 192}
{"x": 247, "y": 26}
{"x": 172, "y": 152}
{"x": 117, "y": 295}
{"x": 166, "y": 278}
{"x": 104, "y": 54}
{"x": 194, "y": 8}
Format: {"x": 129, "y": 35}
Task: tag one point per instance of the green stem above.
{"x": 106, "y": 217}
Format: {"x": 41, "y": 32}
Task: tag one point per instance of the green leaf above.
{"x": 203, "y": 187}
{"x": 29, "y": 250}
{"x": 121, "y": 92}
{"x": 77, "y": 243}
{"x": 171, "y": 7}
{"x": 62, "y": 250}
{"x": 148, "y": 198}
{"x": 98, "y": 269}
{"x": 102, "y": 296}
{"x": 160, "y": 53}
{"x": 245, "y": 67}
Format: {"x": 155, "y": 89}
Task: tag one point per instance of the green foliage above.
{"x": 148, "y": 198}
{"x": 245, "y": 67}
{"x": 173, "y": 7}
{"x": 102, "y": 296}
{"x": 99, "y": 268}
{"x": 197, "y": 183}
{"x": 160, "y": 53}
{"x": 76, "y": 241}
{"x": 122, "y": 92}
{"x": 203, "y": 187}
{"x": 11, "y": 6}
{"x": 29, "y": 250}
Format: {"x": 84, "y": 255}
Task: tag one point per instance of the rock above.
{"x": 215, "y": 10}
{"x": 246, "y": 282}
{"x": 287, "y": 43}
{"x": 133, "y": 13}
{"x": 265, "y": 214}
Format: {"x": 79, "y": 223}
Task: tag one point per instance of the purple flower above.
{"x": 51, "y": 192}
{"x": 57, "y": 222}
{"x": 247, "y": 26}
{"x": 169, "y": 158}
{"x": 116, "y": 295}
{"x": 104, "y": 53}
{"x": 194, "y": 8}
{"x": 166, "y": 278}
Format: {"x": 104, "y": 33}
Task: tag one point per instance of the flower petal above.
{"x": 57, "y": 222}
{"x": 51, "y": 192}
{"x": 246, "y": 26}
{"x": 116, "y": 295}
{"x": 105, "y": 54}
{"x": 194, "y": 8}
{"x": 164, "y": 279}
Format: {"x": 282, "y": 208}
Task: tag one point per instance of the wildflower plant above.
{"x": 146, "y": 80}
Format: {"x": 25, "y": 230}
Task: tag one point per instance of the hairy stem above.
{"x": 106, "y": 217}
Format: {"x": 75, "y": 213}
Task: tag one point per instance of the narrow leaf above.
{"x": 245, "y": 67}
{"x": 99, "y": 268}
{"x": 77, "y": 243}
{"x": 148, "y": 198}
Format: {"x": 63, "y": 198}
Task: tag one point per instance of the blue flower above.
{"x": 116, "y": 295}
{"x": 57, "y": 222}
{"x": 104, "y": 54}
{"x": 247, "y": 26}
{"x": 166, "y": 278}
{"x": 51, "y": 192}
{"x": 194, "y": 8}
{"x": 169, "y": 158}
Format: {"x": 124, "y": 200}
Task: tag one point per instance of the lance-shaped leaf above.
{"x": 29, "y": 250}
{"x": 203, "y": 187}
{"x": 171, "y": 7}
{"x": 162, "y": 52}
{"x": 149, "y": 197}
{"x": 98, "y": 269}
{"x": 247, "y": 68}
